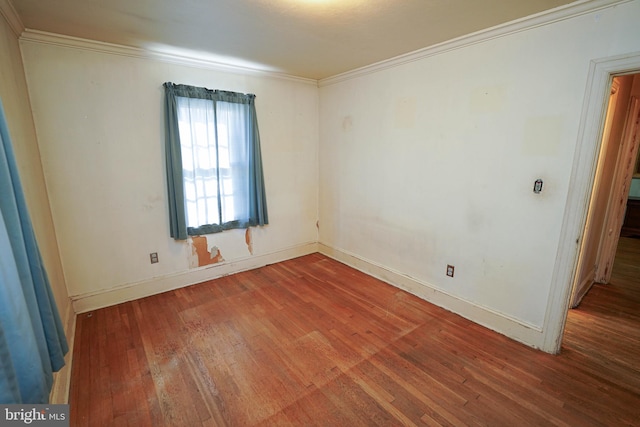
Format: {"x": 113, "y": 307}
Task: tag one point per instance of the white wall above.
{"x": 99, "y": 118}
{"x": 432, "y": 162}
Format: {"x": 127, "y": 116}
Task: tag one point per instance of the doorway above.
{"x": 617, "y": 163}
{"x": 581, "y": 184}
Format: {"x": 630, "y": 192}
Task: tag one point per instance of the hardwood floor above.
{"x": 313, "y": 342}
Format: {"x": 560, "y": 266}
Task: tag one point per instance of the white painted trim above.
{"x": 581, "y": 185}
{"x": 11, "y": 16}
{"x": 523, "y": 24}
{"x": 43, "y": 37}
{"x": 516, "y": 329}
{"x": 95, "y": 300}
{"x": 62, "y": 378}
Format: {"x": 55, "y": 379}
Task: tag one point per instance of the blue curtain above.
{"x": 205, "y": 196}
{"x": 32, "y": 341}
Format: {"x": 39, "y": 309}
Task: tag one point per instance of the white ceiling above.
{"x": 305, "y": 38}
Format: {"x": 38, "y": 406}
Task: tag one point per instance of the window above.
{"x": 214, "y": 167}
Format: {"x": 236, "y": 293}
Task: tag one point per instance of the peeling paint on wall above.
{"x": 193, "y": 257}
{"x": 248, "y": 238}
{"x": 201, "y": 255}
{"x": 217, "y": 257}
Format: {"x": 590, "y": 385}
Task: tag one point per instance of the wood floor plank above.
{"x": 311, "y": 341}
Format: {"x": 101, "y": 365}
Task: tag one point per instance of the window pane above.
{"x": 199, "y": 160}
{"x": 215, "y": 145}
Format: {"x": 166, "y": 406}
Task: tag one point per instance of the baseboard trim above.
{"x": 62, "y": 378}
{"x": 515, "y": 329}
{"x": 92, "y": 301}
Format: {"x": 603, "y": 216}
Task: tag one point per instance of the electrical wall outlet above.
{"x": 154, "y": 257}
{"x": 450, "y": 269}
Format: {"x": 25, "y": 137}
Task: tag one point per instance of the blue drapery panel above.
{"x": 32, "y": 341}
{"x": 215, "y": 177}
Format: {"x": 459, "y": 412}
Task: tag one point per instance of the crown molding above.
{"x": 550, "y": 16}
{"x": 11, "y": 16}
{"x": 43, "y": 37}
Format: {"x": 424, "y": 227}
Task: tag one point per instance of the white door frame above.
{"x": 583, "y": 171}
{"x": 585, "y": 274}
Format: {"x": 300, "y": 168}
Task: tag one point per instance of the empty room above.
{"x": 320, "y": 212}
